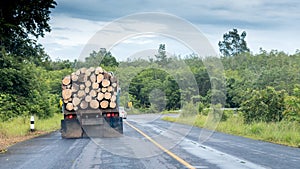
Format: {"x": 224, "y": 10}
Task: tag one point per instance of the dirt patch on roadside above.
{"x": 5, "y": 142}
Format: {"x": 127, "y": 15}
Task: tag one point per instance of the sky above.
{"x": 269, "y": 24}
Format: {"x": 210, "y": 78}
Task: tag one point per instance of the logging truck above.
{"x": 91, "y": 104}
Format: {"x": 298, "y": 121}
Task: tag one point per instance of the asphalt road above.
{"x": 148, "y": 142}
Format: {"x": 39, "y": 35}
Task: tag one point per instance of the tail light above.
{"x": 70, "y": 116}
{"x": 111, "y": 114}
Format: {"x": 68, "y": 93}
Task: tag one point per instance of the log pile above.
{"x": 92, "y": 88}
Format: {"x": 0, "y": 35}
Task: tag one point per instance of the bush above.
{"x": 292, "y": 106}
{"x": 265, "y": 105}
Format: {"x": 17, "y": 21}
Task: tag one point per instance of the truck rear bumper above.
{"x": 100, "y": 127}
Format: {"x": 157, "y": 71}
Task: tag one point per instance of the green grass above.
{"x": 284, "y": 132}
{"x": 21, "y": 126}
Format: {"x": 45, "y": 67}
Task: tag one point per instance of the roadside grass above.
{"x": 18, "y": 129}
{"x": 284, "y": 132}
{"x": 21, "y": 126}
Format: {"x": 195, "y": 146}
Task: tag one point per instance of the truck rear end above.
{"x": 91, "y": 104}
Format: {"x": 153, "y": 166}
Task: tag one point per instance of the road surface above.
{"x": 149, "y": 142}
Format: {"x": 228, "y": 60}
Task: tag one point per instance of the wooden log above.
{"x": 83, "y": 70}
{"x": 69, "y": 86}
{"x": 82, "y": 78}
{"x": 69, "y": 106}
{"x": 93, "y": 93}
{"x": 66, "y": 80}
{"x": 103, "y": 89}
{"x": 95, "y": 85}
{"x": 94, "y": 104}
{"x": 87, "y": 90}
{"x": 77, "y": 72}
{"x": 105, "y": 83}
{"x": 88, "y": 98}
{"x": 113, "y": 98}
{"x": 74, "y": 77}
{"x": 80, "y": 93}
{"x": 91, "y": 69}
{"x": 112, "y": 105}
{"x": 88, "y": 83}
{"x": 107, "y": 95}
{"x": 99, "y": 78}
{"x": 75, "y": 87}
{"x": 110, "y": 89}
{"x": 84, "y": 104}
{"x": 98, "y": 90}
{"x": 75, "y": 108}
{"x": 98, "y": 70}
{"x": 106, "y": 75}
{"x": 76, "y": 101}
{"x": 114, "y": 85}
{"x": 100, "y": 96}
{"x": 66, "y": 101}
{"x": 93, "y": 78}
{"x": 67, "y": 93}
{"x": 104, "y": 104}
{"x": 113, "y": 79}
{"x": 82, "y": 87}
{"x": 88, "y": 72}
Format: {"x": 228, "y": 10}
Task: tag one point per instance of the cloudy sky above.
{"x": 270, "y": 24}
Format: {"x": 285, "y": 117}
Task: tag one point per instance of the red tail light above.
{"x": 108, "y": 115}
{"x": 112, "y": 115}
{"x": 70, "y": 116}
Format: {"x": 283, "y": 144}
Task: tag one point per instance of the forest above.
{"x": 264, "y": 86}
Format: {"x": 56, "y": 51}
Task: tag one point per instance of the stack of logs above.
{"x": 89, "y": 88}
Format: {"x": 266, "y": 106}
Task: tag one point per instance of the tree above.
{"x": 233, "y": 43}
{"x": 161, "y": 56}
{"x": 101, "y": 58}
{"x": 20, "y": 19}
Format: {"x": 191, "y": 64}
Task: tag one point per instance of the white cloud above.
{"x": 271, "y": 24}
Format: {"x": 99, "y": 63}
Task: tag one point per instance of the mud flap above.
{"x": 110, "y": 127}
{"x": 113, "y": 127}
{"x": 70, "y": 128}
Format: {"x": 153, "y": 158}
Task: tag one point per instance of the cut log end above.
{"x": 66, "y": 94}
{"x": 66, "y": 80}
{"x": 112, "y": 105}
{"x": 104, "y": 104}
{"x": 94, "y": 104}
{"x": 69, "y": 106}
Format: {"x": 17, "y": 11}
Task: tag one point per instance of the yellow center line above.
{"x": 162, "y": 148}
